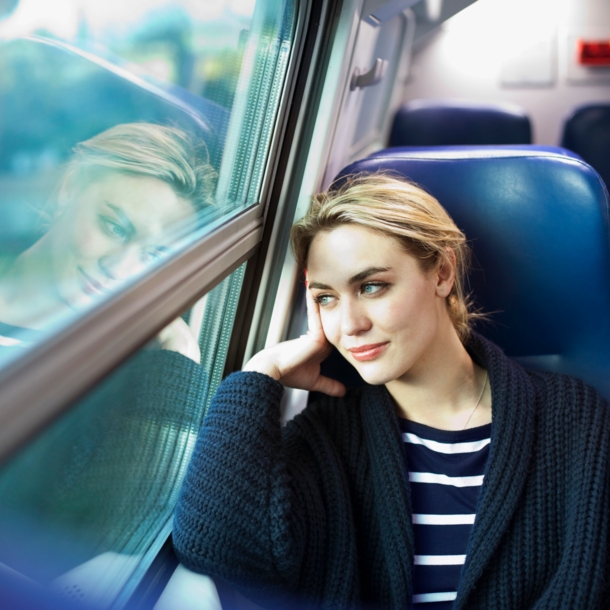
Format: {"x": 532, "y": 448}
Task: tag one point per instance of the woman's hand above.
{"x": 296, "y": 363}
{"x": 178, "y": 337}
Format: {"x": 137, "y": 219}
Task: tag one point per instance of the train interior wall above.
{"x": 518, "y": 51}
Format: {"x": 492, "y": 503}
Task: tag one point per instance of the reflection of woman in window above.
{"x": 89, "y": 483}
{"x": 122, "y": 192}
{"x": 505, "y": 514}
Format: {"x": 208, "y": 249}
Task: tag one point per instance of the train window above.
{"x": 87, "y": 506}
{"x": 128, "y": 132}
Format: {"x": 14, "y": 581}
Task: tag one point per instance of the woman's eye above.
{"x": 323, "y": 299}
{"x": 113, "y": 229}
{"x": 372, "y": 288}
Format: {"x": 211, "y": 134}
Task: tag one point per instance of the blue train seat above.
{"x": 587, "y": 132}
{"x": 446, "y": 123}
{"x": 537, "y": 220}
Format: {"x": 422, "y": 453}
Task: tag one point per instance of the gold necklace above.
{"x": 478, "y": 401}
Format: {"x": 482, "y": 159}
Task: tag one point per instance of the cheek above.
{"x": 393, "y": 319}
{"x": 89, "y": 242}
{"x": 331, "y": 325}
{"x": 413, "y": 312}
{"x": 91, "y": 246}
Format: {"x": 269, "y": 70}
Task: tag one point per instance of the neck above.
{"x": 445, "y": 389}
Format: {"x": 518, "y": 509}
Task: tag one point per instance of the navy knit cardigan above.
{"x": 320, "y": 510}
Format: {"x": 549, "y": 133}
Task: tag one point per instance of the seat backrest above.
{"x": 446, "y": 122}
{"x": 538, "y": 224}
{"x": 587, "y": 132}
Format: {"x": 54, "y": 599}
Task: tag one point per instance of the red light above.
{"x": 594, "y": 53}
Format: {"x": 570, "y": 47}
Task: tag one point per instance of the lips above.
{"x": 368, "y": 352}
{"x": 91, "y": 286}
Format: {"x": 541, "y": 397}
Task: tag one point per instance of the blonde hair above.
{"x": 145, "y": 149}
{"x": 399, "y": 209}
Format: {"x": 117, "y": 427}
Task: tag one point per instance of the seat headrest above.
{"x": 443, "y": 122}
{"x": 537, "y": 221}
{"x": 587, "y": 132}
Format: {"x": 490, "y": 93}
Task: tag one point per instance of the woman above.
{"x": 123, "y": 197}
{"x": 375, "y": 497}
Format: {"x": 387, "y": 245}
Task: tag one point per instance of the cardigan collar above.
{"x": 391, "y": 490}
{"x": 512, "y": 439}
{"x": 512, "y": 442}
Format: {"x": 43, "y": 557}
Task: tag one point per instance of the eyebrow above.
{"x": 354, "y": 279}
{"x": 123, "y": 218}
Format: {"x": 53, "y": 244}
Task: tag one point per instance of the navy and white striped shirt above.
{"x": 446, "y": 471}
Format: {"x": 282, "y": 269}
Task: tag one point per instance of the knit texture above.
{"x": 105, "y": 476}
{"x": 320, "y": 510}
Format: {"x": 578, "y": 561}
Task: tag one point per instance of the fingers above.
{"x": 329, "y": 386}
{"x": 313, "y": 314}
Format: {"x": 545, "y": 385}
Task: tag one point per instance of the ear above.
{"x": 445, "y": 275}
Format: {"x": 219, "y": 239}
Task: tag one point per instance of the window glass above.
{"x": 127, "y": 131}
{"x": 86, "y": 507}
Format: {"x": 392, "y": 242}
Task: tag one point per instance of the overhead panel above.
{"x": 431, "y": 14}
{"x": 376, "y": 12}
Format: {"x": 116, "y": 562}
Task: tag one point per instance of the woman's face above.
{"x": 110, "y": 231}
{"x": 378, "y": 308}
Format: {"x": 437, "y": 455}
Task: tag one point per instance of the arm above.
{"x": 253, "y": 507}
{"x": 247, "y": 498}
{"x": 92, "y": 479}
{"x": 236, "y": 483}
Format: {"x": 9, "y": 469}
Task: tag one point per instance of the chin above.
{"x": 374, "y": 375}
{"x": 76, "y": 300}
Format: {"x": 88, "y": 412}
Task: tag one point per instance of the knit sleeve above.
{"x": 233, "y": 517}
{"x": 105, "y": 475}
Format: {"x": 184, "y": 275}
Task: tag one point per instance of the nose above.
{"x": 122, "y": 264}
{"x": 354, "y": 320}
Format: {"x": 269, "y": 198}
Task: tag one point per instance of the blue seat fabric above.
{"x": 459, "y": 150}
{"x": 438, "y": 123}
{"x": 537, "y": 222}
{"x": 587, "y": 132}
